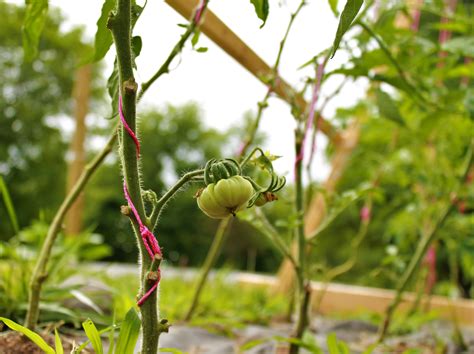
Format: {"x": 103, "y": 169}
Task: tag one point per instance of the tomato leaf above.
{"x": 351, "y": 9}
{"x": 103, "y": 37}
{"x": 261, "y": 9}
{"x": 333, "y": 5}
{"x": 388, "y": 108}
{"x": 35, "y": 18}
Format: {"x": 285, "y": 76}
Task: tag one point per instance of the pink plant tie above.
{"x": 127, "y": 128}
{"x": 199, "y": 11}
{"x": 312, "y": 109}
{"x": 149, "y": 240}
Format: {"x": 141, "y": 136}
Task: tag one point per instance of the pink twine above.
{"x": 365, "y": 213}
{"x": 199, "y": 11}
{"x": 149, "y": 240}
{"x": 127, "y": 128}
{"x": 444, "y": 34}
{"x": 312, "y": 107}
{"x": 430, "y": 263}
{"x": 416, "y": 16}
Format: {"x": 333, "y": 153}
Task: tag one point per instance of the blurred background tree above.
{"x": 34, "y": 106}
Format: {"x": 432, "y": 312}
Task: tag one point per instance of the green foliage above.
{"x": 253, "y": 305}
{"x": 58, "y": 345}
{"x": 126, "y": 341}
{"x": 333, "y": 6}
{"x": 349, "y": 13}
{"x": 103, "y": 37}
{"x": 8, "y": 204}
{"x": 388, "y": 108}
{"x": 35, "y": 338}
{"x": 32, "y": 145}
{"x": 93, "y": 335}
{"x": 336, "y": 346}
{"x": 17, "y": 258}
{"x": 129, "y": 331}
{"x": 262, "y": 8}
{"x": 35, "y": 17}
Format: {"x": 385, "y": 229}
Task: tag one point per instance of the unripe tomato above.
{"x": 226, "y": 197}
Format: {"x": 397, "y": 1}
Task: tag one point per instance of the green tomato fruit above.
{"x": 226, "y": 197}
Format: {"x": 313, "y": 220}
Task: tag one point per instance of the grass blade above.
{"x": 8, "y": 205}
{"x": 93, "y": 335}
{"x": 34, "y": 337}
{"x": 57, "y": 343}
{"x": 129, "y": 331}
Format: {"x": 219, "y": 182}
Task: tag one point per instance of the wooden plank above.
{"x": 225, "y": 38}
{"x": 352, "y": 299}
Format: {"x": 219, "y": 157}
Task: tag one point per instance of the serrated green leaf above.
{"x": 93, "y": 335}
{"x": 202, "y": 50}
{"x": 103, "y": 37}
{"x": 388, "y": 108}
{"x": 262, "y": 8}
{"x": 35, "y": 338}
{"x": 57, "y": 343}
{"x": 129, "y": 331}
{"x": 349, "y": 13}
{"x": 33, "y": 24}
{"x": 8, "y": 205}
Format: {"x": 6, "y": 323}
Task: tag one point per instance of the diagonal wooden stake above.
{"x": 226, "y": 39}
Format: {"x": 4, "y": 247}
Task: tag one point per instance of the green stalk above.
{"x": 303, "y": 290}
{"x": 155, "y": 214}
{"x": 120, "y": 26}
{"x": 426, "y": 240}
{"x": 40, "y": 272}
{"x": 211, "y": 258}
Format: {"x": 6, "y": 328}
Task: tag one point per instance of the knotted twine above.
{"x": 149, "y": 240}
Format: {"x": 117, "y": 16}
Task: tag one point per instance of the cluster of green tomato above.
{"x": 228, "y": 192}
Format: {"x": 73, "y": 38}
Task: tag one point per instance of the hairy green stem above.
{"x": 422, "y": 247}
{"x": 40, "y": 271}
{"x": 155, "y": 214}
{"x": 208, "y": 263}
{"x": 120, "y": 26}
{"x": 267, "y": 229}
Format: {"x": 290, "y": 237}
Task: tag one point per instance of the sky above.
{"x": 216, "y": 82}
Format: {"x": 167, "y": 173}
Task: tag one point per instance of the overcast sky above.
{"x": 222, "y": 88}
